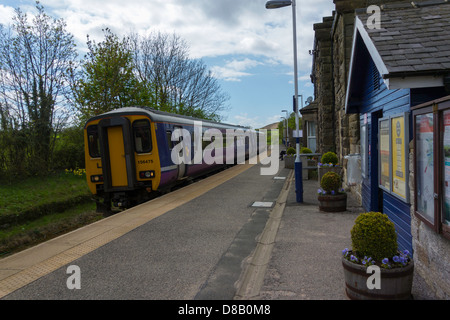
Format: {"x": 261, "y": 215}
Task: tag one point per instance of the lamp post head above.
{"x": 275, "y": 4}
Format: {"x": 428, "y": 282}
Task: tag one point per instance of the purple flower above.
{"x": 353, "y": 258}
{"x": 406, "y": 252}
{"x": 332, "y": 192}
{"x": 385, "y": 261}
{"x": 345, "y": 251}
{"x": 396, "y": 259}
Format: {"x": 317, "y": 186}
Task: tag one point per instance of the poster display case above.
{"x": 432, "y": 164}
{"x": 393, "y": 155}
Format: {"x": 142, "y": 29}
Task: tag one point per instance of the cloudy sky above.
{"x": 247, "y": 47}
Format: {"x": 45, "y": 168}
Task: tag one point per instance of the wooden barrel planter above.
{"x": 333, "y": 203}
{"x": 396, "y": 284}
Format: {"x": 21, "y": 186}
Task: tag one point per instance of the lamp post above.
{"x": 275, "y": 4}
{"x": 287, "y": 128}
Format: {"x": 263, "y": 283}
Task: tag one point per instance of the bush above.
{"x": 330, "y": 182}
{"x": 373, "y": 235}
{"x": 291, "y": 151}
{"x": 330, "y": 157}
{"x": 305, "y": 150}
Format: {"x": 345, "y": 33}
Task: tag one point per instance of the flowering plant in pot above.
{"x": 374, "y": 242}
{"x": 328, "y": 162}
{"x": 332, "y": 198}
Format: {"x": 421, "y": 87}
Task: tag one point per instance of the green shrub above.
{"x": 305, "y": 150}
{"x": 373, "y": 235}
{"x": 291, "y": 151}
{"x": 330, "y": 157}
{"x": 330, "y": 182}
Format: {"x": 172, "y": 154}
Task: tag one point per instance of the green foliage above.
{"x": 69, "y": 149}
{"x": 305, "y": 150}
{"x": 373, "y": 235}
{"x": 108, "y": 81}
{"x": 330, "y": 157}
{"x": 34, "y": 59}
{"x": 290, "y": 151}
{"x": 330, "y": 182}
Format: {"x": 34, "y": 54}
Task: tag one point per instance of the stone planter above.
{"x": 324, "y": 169}
{"x": 289, "y": 161}
{"x": 305, "y": 164}
{"x": 333, "y": 203}
{"x": 396, "y": 284}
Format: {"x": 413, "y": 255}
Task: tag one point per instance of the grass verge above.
{"x": 38, "y": 209}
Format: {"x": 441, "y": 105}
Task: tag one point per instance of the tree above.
{"x": 34, "y": 62}
{"x": 107, "y": 80}
{"x": 175, "y": 82}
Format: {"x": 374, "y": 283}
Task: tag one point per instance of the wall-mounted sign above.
{"x": 399, "y": 156}
{"x": 394, "y": 155}
{"x": 385, "y": 154}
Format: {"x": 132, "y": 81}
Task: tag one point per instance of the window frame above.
{"x": 96, "y": 137}
{"x": 437, "y": 109}
{"x": 150, "y": 136}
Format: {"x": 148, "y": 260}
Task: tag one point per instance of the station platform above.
{"x": 236, "y": 235}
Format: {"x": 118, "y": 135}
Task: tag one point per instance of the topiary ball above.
{"x": 373, "y": 235}
{"x": 330, "y": 157}
{"x": 290, "y": 151}
{"x": 305, "y": 150}
{"x": 331, "y": 181}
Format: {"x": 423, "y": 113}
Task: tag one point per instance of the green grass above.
{"x": 62, "y": 204}
{"x": 24, "y": 235}
{"x": 23, "y": 195}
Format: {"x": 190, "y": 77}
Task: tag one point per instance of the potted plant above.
{"x": 329, "y": 162}
{"x": 289, "y": 159}
{"x": 332, "y": 197}
{"x": 374, "y": 242}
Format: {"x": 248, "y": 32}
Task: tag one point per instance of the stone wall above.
{"x": 323, "y": 85}
{"x": 431, "y": 250}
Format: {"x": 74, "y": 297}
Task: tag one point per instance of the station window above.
{"x": 432, "y": 165}
{"x": 93, "y": 141}
{"x": 142, "y": 136}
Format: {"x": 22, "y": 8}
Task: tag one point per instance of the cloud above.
{"x": 6, "y": 14}
{"x": 234, "y": 69}
{"x": 211, "y": 28}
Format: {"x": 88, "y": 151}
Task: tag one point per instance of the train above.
{"x": 135, "y": 153}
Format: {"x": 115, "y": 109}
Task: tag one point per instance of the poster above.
{"x": 364, "y": 151}
{"x": 385, "y": 180}
{"x": 446, "y": 153}
{"x": 425, "y": 166}
{"x": 399, "y": 157}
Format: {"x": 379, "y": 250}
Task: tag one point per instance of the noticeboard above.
{"x": 394, "y": 155}
{"x": 384, "y": 155}
{"x": 400, "y": 156}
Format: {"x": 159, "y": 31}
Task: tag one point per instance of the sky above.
{"x": 248, "y": 48}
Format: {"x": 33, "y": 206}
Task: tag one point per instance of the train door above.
{"x": 118, "y": 165}
{"x": 117, "y": 154}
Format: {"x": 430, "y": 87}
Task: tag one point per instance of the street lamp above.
{"x": 275, "y": 4}
{"x": 287, "y": 128}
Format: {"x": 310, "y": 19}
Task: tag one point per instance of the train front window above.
{"x": 142, "y": 136}
{"x": 93, "y": 141}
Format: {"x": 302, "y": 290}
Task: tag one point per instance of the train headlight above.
{"x": 147, "y": 174}
{"x": 97, "y": 178}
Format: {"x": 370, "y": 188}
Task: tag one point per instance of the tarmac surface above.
{"x": 286, "y": 251}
